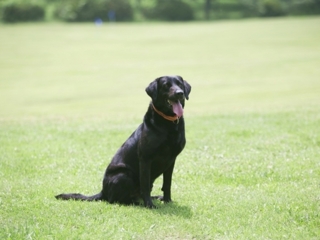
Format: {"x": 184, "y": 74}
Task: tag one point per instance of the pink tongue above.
{"x": 177, "y": 108}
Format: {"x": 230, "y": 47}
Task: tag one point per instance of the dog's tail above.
{"x": 80, "y": 197}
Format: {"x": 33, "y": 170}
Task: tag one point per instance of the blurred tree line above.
{"x": 150, "y": 10}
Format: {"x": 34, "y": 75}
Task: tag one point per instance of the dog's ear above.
{"x": 152, "y": 89}
{"x": 187, "y": 87}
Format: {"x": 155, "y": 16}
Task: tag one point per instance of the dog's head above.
{"x": 168, "y": 94}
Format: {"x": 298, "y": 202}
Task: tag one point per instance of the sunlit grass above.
{"x": 71, "y": 94}
{"x": 68, "y": 70}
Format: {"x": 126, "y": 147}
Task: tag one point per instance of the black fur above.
{"x": 149, "y": 152}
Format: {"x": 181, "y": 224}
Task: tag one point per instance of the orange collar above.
{"x": 174, "y": 119}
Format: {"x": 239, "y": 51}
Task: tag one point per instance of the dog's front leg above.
{"x": 145, "y": 187}
{"x": 166, "y": 186}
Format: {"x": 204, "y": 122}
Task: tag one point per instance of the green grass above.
{"x": 71, "y": 94}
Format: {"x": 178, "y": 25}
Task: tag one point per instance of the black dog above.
{"x": 150, "y": 151}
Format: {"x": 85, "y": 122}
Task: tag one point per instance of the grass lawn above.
{"x": 70, "y": 95}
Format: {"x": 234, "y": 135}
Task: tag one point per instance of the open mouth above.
{"x": 176, "y": 107}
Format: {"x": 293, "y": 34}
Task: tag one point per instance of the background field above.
{"x": 71, "y": 94}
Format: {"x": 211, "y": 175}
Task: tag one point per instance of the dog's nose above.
{"x": 179, "y": 93}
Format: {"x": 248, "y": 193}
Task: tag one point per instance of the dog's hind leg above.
{"x": 121, "y": 189}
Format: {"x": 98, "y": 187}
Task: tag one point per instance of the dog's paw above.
{"x": 151, "y": 206}
{"x": 162, "y": 199}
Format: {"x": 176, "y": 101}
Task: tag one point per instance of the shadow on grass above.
{"x": 172, "y": 208}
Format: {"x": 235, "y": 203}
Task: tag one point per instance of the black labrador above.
{"x": 150, "y": 151}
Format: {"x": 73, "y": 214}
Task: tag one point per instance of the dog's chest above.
{"x": 165, "y": 156}
{"x": 172, "y": 145}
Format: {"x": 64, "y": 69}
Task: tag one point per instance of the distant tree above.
{"x": 170, "y": 10}
{"x": 22, "y": 12}
{"x": 89, "y": 10}
{"x": 207, "y": 9}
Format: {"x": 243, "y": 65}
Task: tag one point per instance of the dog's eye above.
{"x": 180, "y": 85}
{"x": 168, "y": 84}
